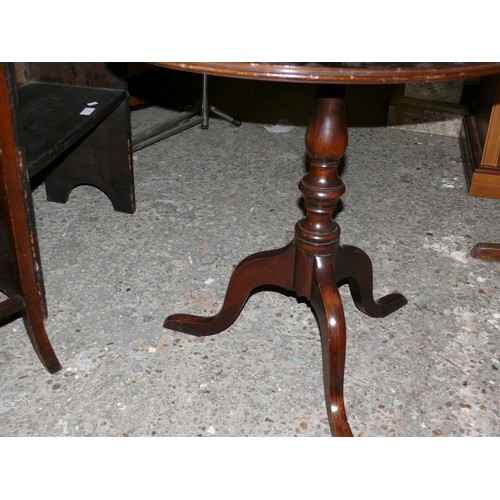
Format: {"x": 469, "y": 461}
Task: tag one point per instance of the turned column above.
{"x": 317, "y": 242}
{"x": 326, "y": 143}
{"x": 314, "y": 264}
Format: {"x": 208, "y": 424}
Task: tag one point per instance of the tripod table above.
{"x": 314, "y": 264}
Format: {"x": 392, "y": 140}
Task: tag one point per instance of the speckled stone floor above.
{"x": 205, "y": 200}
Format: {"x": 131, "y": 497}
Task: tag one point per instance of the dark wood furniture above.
{"x": 480, "y": 145}
{"x": 64, "y": 124}
{"x": 480, "y": 141}
{"x": 314, "y": 264}
{"x": 20, "y": 279}
{"x": 486, "y": 251}
{"x": 76, "y": 115}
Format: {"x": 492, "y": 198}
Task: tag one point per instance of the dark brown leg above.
{"x": 486, "y": 251}
{"x": 325, "y": 300}
{"x": 20, "y": 269}
{"x": 272, "y": 268}
{"x": 18, "y": 277}
{"x": 354, "y": 265}
{"x": 313, "y": 264}
{"x": 317, "y": 242}
{"x": 19, "y": 262}
{"x": 33, "y": 322}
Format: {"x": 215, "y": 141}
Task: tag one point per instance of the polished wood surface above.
{"x": 314, "y": 265}
{"x": 344, "y": 73}
{"x": 486, "y": 251}
{"x": 480, "y": 142}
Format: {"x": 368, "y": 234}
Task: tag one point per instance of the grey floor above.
{"x": 205, "y": 200}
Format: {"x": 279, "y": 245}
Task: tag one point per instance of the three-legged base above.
{"x": 317, "y": 278}
{"x": 314, "y": 265}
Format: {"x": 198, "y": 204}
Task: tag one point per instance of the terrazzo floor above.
{"x": 205, "y": 200}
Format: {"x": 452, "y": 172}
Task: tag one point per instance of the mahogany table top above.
{"x": 341, "y": 72}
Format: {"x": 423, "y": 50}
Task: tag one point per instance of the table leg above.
{"x": 313, "y": 265}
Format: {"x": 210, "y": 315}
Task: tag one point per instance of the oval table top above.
{"x": 340, "y": 73}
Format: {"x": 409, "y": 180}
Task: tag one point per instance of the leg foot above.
{"x": 354, "y": 266}
{"x": 35, "y": 327}
{"x": 271, "y": 268}
{"x": 326, "y": 302}
{"x": 486, "y": 251}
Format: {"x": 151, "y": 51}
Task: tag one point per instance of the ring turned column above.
{"x": 314, "y": 264}
{"x": 317, "y": 240}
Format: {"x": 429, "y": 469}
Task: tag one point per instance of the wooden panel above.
{"x": 18, "y": 225}
{"x": 102, "y": 159}
{"x": 482, "y": 111}
{"x": 480, "y": 142}
{"x": 104, "y": 75}
{"x": 485, "y": 182}
{"x": 491, "y": 153}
